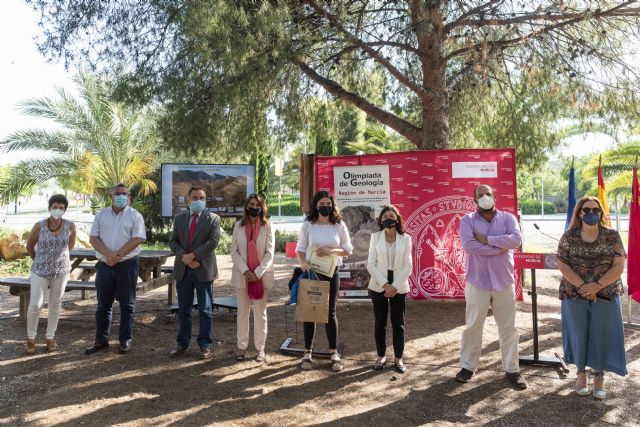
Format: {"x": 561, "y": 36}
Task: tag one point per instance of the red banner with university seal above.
{"x": 433, "y": 190}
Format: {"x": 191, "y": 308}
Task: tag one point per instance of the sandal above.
{"x": 336, "y": 363}
{"x": 240, "y": 356}
{"x": 261, "y": 358}
{"x": 306, "y": 362}
{"x": 379, "y": 365}
{"x": 582, "y": 391}
{"x": 399, "y": 366}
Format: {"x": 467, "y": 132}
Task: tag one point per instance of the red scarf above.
{"x": 255, "y": 289}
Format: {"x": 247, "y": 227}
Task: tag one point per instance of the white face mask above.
{"x": 57, "y": 213}
{"x": 486, "y": 202}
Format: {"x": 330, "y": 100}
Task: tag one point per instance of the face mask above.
{"x": 120, "y": 200}
{"x": 57, "y": 213}
{"x": 254, "y": 212}
{"x": 389, "y": 223}
{"x": 325, "y": 210}
{"x": 197, "y": 206}
{"x": 486, "y": 202}
{"x": 591, "y": 218}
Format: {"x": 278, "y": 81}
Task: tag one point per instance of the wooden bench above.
{"x": 20, "y": 286}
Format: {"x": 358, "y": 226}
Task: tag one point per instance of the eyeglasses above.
{"x": 596, "y": 211}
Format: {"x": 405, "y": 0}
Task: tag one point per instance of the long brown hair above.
{"x": 263, "y": 206}
{"x": 576, "y": 221}
{"x": 334, "y": 217}
{"x": 400, "y": 221}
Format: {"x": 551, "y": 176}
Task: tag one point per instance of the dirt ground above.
{"x": 145, "y": 387}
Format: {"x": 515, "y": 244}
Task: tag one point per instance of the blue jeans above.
{"x": 185, "y": 289}
{"x": 119, "y": 280}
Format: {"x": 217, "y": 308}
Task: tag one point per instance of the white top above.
{"x": 319, "y": 235}
{"x": 378, "y": 262}
{"x": 117, "y": 229}
{"x": 391, "y": 254}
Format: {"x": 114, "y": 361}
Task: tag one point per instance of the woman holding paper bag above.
{"x": 390, "y": 265}
{"x": 252, "y": 249}
{"x": 324, "y": 234}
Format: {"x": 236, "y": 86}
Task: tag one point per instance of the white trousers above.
{"x": 259, "y": 320}
{"x": 39, "y": 287}
{"x": 503, "y": 304}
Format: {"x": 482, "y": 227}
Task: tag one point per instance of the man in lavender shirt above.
{"x": 488, "y": 237}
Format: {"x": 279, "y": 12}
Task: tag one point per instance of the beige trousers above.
{"x": 259, "y": 320}
{"x": 503, "y": 304}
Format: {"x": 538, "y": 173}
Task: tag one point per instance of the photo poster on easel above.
{"x": 433, "y": 190}
{"x": 226, "y": 186}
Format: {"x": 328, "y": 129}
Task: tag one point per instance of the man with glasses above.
{"x": 488, "y": 237}
{"x": 193, "y": 240}
{"x": 116, "y": 234}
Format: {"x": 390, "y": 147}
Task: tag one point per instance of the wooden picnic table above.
{"x": 151, "y": 260}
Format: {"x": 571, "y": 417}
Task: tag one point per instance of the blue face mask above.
{"x": 591, "y": 218}
{"x": 120, "y": 200}
{"x": 197, "y": 206}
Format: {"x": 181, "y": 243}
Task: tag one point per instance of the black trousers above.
{"x": 381, "y": 306}
{"x": 332, "y": 325}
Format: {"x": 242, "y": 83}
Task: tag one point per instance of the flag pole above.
{"x": 629, "y": 302}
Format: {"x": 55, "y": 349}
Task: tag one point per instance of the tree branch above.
{"x": 541, "y": 31}
{"x": 333, "y": 20}
{"x": 528, "y": 18}
{"x": 396, "y": 123}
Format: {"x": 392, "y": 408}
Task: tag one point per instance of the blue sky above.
{"x": 24, "y": 74}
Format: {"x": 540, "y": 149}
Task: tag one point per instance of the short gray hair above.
{"x": 119, "y": 185}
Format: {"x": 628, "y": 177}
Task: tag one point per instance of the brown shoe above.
{"x": 205, "y": 353}
{"x": 31, "y": 346}
{"x": 51, "y": 346}
{"x": 176, "y": 352}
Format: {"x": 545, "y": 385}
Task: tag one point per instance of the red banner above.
{"x": 633, "y": 257}
{"x": 433, "y": 191}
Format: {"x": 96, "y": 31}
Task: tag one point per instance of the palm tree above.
{"x": 377, "y": 139}
{"x": 97, "y": 142}
{"x": 617, "y": 166}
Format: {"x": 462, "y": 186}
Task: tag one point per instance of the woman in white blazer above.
{"x": 389, "y": 265}
{"x": 252, "y": 249}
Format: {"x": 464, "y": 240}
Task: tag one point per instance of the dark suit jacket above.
{"x": 203, "y": 246}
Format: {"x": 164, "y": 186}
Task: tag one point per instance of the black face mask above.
{"x": 325, "y": 210}
{"x": 254, "y": 212}
{"x": 389, "y": 223}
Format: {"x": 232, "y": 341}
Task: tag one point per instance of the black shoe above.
{"x": 124, "y": 347}
{"x": 96, "y": 347}
{"x": 516, "y": 380}
{"x": 464, "y": 375}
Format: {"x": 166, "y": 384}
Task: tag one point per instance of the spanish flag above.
{"x": 602, "y": 195}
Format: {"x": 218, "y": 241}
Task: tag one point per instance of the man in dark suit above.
{"x": 194, "y": 238}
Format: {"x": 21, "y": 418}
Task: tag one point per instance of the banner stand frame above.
{"x": 536, "y": 359}
{"x": 286, "y": 349}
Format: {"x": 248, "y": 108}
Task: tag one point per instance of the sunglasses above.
{"x": 596, "y": 211}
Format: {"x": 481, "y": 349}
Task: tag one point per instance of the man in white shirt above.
{"x": 116, "y": 234}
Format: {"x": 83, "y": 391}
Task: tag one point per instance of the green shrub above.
{"x": 227, "y": 224}
{"x": 290, "y": 205}
{"x": 224, "y": 244}
{"x": 19, "y": 267}
{"x": 533, "y": 207}
{"x": 282, "y": 238}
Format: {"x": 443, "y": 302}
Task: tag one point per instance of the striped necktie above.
{"x": 192, "y": 229}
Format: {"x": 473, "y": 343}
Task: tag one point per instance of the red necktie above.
{"x": 192, "y": 230}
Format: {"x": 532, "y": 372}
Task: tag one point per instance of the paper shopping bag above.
{"x": 313, "y": 301}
